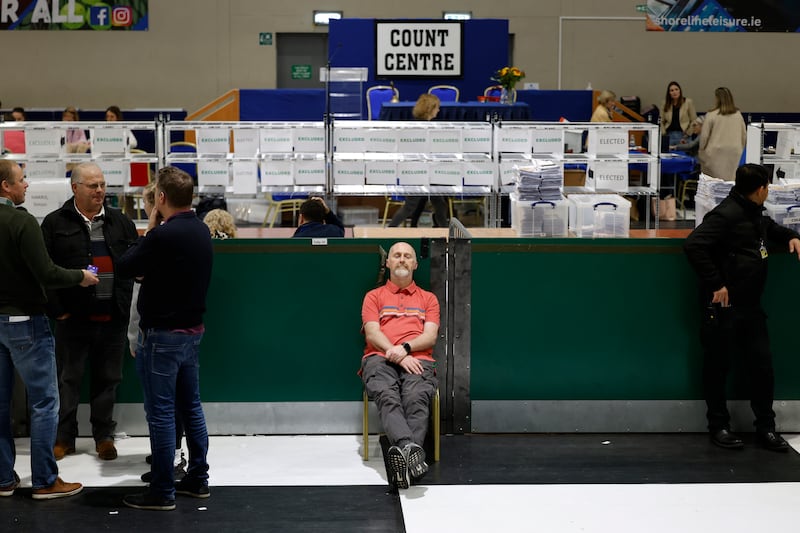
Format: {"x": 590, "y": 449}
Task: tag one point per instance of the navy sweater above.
{"x": 175, "y": 261}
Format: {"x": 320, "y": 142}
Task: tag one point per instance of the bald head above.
{"x": 402, "y": 262}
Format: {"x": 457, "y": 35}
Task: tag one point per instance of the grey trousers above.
{"x": 403, "y": 399}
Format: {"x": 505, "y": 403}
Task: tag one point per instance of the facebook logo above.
{"x": 100, "y": 17}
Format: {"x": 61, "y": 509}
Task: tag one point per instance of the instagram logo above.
{"x": 122, "y": 16}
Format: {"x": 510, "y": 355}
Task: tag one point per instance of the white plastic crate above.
{"x": 539, "y": 218}
{"x": 785, "y": 215}
{"x": 599, "y": 215}
{"x": 358, "y": 216}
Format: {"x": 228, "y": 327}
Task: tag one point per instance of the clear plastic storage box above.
{"x": 785, "y": 215}
{"x": 539, "y": 218}
{"x": 599, "y": 215}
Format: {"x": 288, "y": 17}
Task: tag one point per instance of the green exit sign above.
{"x": 301, "y": 72}
{"x": 641, "y": 8}
{"x": 265, "y": 38}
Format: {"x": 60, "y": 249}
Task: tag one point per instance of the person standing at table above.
{"x": 677, "y": 114}
{"x": 426, "y": 108}
{"x": 90, "y": 324}
{"x": 723, "y": 138}
{"x": 729, "y": 253}
{"x": 26, "y": 343}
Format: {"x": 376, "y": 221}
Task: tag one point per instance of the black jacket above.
{"x": 67, "y": 239}
{"x": 725, "y": 250}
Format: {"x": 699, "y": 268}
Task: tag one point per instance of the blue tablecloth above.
{"x": 460, "y": 111}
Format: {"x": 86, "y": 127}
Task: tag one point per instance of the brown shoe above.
{"x": 8, "y": 490}
{"x": 60, "y": 450}
{"x": 59, "y": 489}
{"x": 106, "y": 450}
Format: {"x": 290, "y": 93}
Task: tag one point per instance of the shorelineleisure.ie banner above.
{"x": 724, "y": 15}
{"x": 95, "y": 15}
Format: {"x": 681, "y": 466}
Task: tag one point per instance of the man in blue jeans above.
{"x": 173, "y": 261}
{"x": 26, "y": 342}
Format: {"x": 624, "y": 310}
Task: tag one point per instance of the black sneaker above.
{"x": 398, "y": 467}
{"x": 417, "y": 467}
{"x": 192, "y": 487}
{"x": 179, "y": 472}
{"x": 149, "y": 502}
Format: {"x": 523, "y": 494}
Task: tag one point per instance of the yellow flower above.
{"x": 508, "y": 76}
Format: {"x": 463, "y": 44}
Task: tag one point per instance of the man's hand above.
{"x": 794, "y": 247}
{"x": 721, "y": 297}
{"x": 395, "y": 354}
{"x": 89, "y": 279}
{"x": 411, "y": 365}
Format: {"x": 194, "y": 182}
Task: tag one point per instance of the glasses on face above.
{"x": 93, "y": 186}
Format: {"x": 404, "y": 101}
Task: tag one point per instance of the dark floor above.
{"x": 472, "y": 460}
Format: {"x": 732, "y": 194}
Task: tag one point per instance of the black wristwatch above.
{"x": 407, "y": 348}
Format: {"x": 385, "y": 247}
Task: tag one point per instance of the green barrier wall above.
{"x": 603, "y": 320}
{"x": 551, "y": 319}
{"x": 284, "y": 321}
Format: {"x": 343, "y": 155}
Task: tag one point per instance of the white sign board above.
{"x": 43, "y": 141}
{"x": 607, "y": 142}
{"x": 275, "y": 173}
{"x": 412, "y": 173}
{"x": 348, "y": 140}
{"x": 310, "y": 172}
{"x": 213, "y": 141}
{"x": 213, "y": 174}
{"x": 382, "y": 140}
{"x": 46, "y": 195}
{"x": 477, "y": 141}
{"x": 547, "y": 142}
{"x": 115, "y": 172}
{"x": 608, "y": 176}
{"x": 348, "y": 172}
{"x": 309, "y": 140}
{"x": 45, "y": 170}
{"x": 413, "y": 141}
{"x": 277, "y": 140}
{"x": 422, "y": 48}
{"x": 245, "y": 176}
{"x": 109, "y": 141}
{"x": 245, "y": 142}
{"x": 381, "y": 173}
{"x": 445, "y": 141}
{"x": 516, "y": 140}
{"x": 446, "y": 173}
{"x": 480, "y": 173}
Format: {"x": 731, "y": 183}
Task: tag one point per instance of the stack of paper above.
{"x": 784, "y": 194}
{"x": 541, "y": 180}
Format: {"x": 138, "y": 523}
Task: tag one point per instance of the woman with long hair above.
{"x": 723, "y": 137}
{"x": 426, "y": 108}
{"x": 677, "y": 115}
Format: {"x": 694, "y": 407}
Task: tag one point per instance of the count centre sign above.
{"x": 422, "y": 49}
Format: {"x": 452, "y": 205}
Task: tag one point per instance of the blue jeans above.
{"x": 169, "y": 368}
{"x": 28, "y": 346}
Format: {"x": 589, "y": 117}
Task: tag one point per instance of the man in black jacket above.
{"x": 729, "y": 251}
{"x": 91, "y": 323}
{"x": 174, "y": 261}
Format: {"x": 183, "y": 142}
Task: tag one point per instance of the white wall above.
{"x": 196, "y": 50}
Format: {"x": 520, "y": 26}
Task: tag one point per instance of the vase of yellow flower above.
{"x": 508, "y": 77}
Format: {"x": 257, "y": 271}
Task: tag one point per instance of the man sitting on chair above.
{"x": 401, "y": 323}
{"x": 317, "y": 220}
